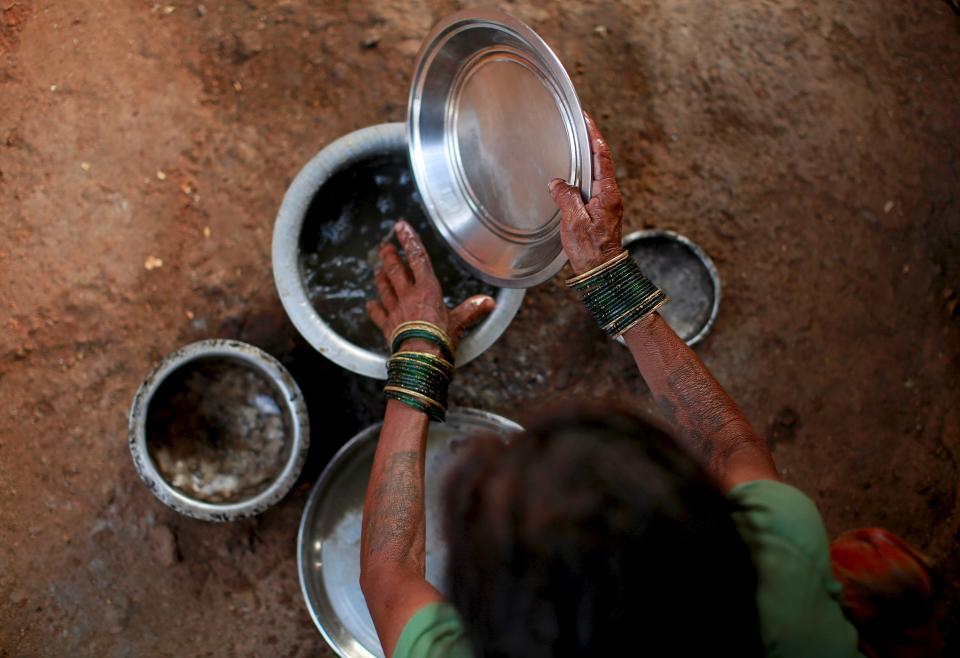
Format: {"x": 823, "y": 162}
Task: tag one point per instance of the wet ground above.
{"x": 810, "y": 147}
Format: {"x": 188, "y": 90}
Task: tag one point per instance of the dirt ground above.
{"x": 810, "y": 146}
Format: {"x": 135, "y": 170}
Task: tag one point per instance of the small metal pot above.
{"x": 349, "y": 149}
{"x": 288, "y": 393}
{"x": 690, "y": 280}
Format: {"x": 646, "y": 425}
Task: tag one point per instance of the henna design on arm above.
{"x": 396, "y": 525}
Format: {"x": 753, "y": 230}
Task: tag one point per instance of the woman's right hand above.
{"x": 591, "y": 232}
{"x": 410, "y": 291}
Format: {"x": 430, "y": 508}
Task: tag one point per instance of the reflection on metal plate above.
{"x": 492, "y": 118}
{"x": 328, "y": 545}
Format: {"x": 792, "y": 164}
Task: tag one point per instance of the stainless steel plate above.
{"x": 328, "y": 546}
{"x": 492, "y": 118}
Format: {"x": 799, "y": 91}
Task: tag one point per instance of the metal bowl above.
{"x": 493, "y": 117}
{"x": 328, "y": 545}
{"x": 685, "y": 273}
{"x": 287, "y": 391}
{"x": 349, "y": 149}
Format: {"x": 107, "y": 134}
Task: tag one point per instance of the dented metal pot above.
{"x": 286, "y": 399}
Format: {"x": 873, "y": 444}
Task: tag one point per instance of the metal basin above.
{"x": 328, "y": 545}
{"x": 287, "y": 393}
{"x": 344, "y": 152}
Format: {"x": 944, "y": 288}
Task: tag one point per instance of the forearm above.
{"x": 393, "y": 512}
{"x": 393, "y": 540}
{"x": 697, "y": 407}
{"x": 422, "y": 335}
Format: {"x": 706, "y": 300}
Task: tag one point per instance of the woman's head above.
{"x": 592, "y": 532}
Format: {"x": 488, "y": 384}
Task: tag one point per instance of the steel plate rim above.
{"x": 425, "y": 56}
{"x": 312, "y": 502}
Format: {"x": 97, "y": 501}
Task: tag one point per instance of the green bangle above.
{"x": 419, "y": 380}
{"x": 625, "y": 326}
{"x": 612, "y": 273}
{"x": 412, "y": 401}
{"x": 617, "y": 307}
{"x": 605, "y": 311}
{"x": 619, "y": 296}
{"x": 424, "y": 396}
{"x": 425, "y": 375}
{"x": 631, "y": 314}
{"x": 418, "y": 372}
{"x": 425, "y": 358}
{"x": 422, "y": 334}
{"x": 422, "y": 370}
{"x": 611, "y": 303}
{"x": 623, "y": 270}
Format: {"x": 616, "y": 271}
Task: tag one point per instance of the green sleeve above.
{"x": 434, "y": 631}
{"x": 798, "y": 600}
{"x": 778, "y": 510}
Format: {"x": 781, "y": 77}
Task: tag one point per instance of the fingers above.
{"x": 396, "y": 272}
{"x": 417, "y": 255}
{"x": 388, "y": 297}
{"x": 592, "y": 129}
{"x": 603, "y": 167}
{"x": 379, "y": 316}
{"x": 568, "y": 199}
{"x": 469, "y": 313}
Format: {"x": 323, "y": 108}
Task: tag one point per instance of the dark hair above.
{"x": 594, "y": 533}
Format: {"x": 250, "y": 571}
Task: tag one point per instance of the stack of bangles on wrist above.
{"x": 420, "y": 379}
{"x": 617, "y": 294}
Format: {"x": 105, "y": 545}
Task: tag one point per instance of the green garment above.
{"x": 797, "y": 597}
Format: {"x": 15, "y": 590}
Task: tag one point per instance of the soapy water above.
{"x": 350, "y": 216}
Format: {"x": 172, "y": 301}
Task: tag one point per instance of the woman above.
{"x": 593, "y": 532}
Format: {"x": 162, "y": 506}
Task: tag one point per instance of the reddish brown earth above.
{"x": 810, "y": 147}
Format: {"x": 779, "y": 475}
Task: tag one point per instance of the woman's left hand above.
{"x": 591, "y": 232}
{"x": 413, "y": 293}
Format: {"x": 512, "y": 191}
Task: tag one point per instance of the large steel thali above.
{"x": 492, "y": 118}
{"x": 328, "y": 544}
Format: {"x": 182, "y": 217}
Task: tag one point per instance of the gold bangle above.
{"x": 622, "y": 256}
{"x": 442, "y": 371}
{"x": 414, "y": 394}
{"x": 425, "y": 326}
{"x": 419, "y": 324}
{"x": 644, "y": 316}
{"x": 439, "y": 359}
{"x": 633, "y": 308}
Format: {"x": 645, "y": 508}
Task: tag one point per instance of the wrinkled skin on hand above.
{"x": 591, "y": 232}
{"x": 408, "y": 293}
